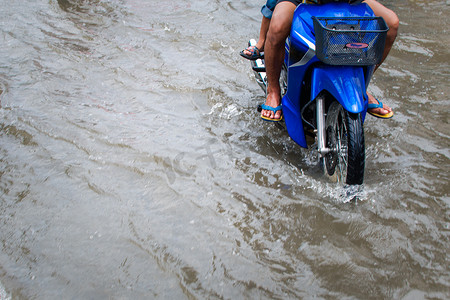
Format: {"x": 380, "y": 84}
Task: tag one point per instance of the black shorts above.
{"x": 296, "y": 2}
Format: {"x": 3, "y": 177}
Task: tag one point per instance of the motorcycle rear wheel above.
{"x": 345, "y": 138}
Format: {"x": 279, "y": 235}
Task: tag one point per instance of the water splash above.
{"x": 3, "y": 294}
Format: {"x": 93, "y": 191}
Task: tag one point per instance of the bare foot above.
{"x": 272, "y": 101}
{"x": 380, "y": 110}
{"x": 249, "y": 50}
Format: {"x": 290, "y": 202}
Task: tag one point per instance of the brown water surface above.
{"x": 134, "y": 164}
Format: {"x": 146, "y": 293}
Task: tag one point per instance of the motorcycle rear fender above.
{"x": 345, "y": 83}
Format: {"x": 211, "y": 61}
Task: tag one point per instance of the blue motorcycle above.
{"x": 330, "y": 57}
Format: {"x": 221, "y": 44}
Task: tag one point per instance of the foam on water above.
{"x": 3, "y": 294}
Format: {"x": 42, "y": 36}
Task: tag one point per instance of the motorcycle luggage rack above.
{"x": 354, "y": 41}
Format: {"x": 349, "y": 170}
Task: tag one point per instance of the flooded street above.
{"x": 134, "y": 164}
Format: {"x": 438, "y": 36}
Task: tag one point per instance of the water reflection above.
{"x": 68, "y": 5}
{"x": 82, "y": 6}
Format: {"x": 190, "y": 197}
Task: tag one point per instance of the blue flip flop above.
{"x": 379, "y": 105}
{"x": 274, "y": 109}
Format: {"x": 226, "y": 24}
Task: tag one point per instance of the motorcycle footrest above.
{"x": 258, "y": 69}
{"x": 259, "y": 108}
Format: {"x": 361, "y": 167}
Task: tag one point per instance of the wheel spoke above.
{"x": 341, "y": 133}
{"x": 346, "y": 140}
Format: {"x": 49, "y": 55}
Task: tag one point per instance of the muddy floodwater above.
{"x": 133, "y": 163}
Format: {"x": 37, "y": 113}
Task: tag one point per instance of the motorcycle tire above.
{"x": 345, "y": 137}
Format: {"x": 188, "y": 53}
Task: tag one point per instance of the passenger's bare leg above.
{"x": 262, "y": 35}
{"x": 393, "y": 23}
{"x": 279, "y": 30}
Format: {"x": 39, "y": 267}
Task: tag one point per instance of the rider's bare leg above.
{"x": 393, "y": 23}
{"x": 279, "y": 29}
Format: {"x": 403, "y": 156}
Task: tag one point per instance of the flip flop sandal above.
{"x": 254, "y": 53}
{"x": 379, "y": 105}
{"x": 274, "y": 109}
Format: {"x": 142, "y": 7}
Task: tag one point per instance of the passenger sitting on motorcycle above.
{"x": 279, "y": 29}
{"x": 255, "y": 52}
